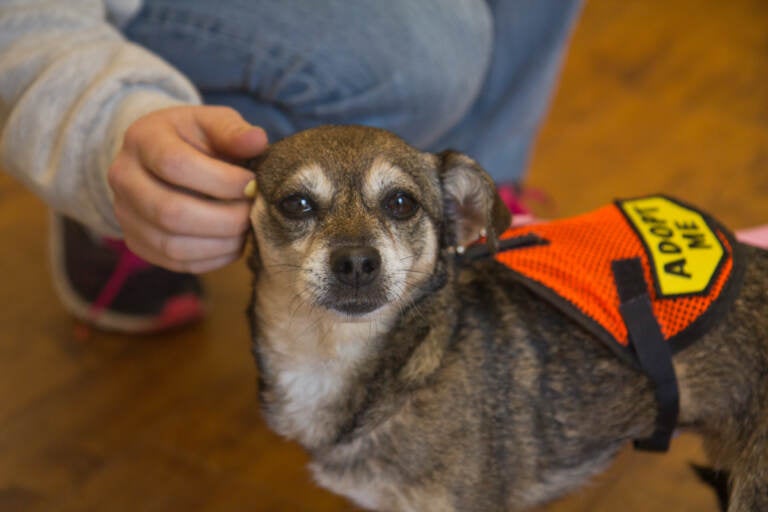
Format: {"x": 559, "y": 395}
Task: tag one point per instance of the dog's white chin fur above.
{"x": 353, "y": 318}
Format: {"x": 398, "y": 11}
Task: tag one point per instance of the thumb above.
{"x": 228, "y": 134}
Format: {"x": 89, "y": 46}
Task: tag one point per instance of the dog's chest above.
{"x": 312, "y": 362}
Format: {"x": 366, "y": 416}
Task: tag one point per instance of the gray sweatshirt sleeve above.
{"x": 70, "y": 85}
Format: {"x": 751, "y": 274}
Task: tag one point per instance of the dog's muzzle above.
{"x": 356, "y": 285}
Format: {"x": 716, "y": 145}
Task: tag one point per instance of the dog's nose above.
{"x": 355, "y": 266}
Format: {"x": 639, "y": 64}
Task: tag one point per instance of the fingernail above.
{"x": 250, "y": 189}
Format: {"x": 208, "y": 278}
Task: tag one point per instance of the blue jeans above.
{"x": 471, "y": 75}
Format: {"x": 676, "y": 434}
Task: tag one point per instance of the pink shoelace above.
{"x": 128, "y": 263}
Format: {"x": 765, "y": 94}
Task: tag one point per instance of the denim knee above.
{"x": 417, "y": 70}
{"x": 414, "y": 67}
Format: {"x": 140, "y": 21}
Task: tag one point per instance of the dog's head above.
{"x": 352, "y": 219}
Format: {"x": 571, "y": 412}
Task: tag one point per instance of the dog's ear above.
{"x": 252, "y": 164}
{"x": 472, "y": 206}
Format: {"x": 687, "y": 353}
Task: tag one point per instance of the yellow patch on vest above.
{"x": 683, "y": 250}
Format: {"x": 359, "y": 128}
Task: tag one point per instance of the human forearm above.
{"x": 69, "y": 87}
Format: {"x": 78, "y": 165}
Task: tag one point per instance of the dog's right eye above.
{"x": 297, "y": 206}
{"x": 400, "y": 205}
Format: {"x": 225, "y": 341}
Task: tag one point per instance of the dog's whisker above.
{"x": 298, "y": 300}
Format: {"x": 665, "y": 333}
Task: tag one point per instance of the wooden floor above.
{"x": 656, "y": 95}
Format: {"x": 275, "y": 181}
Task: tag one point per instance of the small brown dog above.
{"x": 419, "y": 382}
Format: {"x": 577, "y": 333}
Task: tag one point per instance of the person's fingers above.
{"x": 170, "y": 246}
{"x": 179, "y": 254}
{"x": 180, "y": 164}
{"x": 173, "y": 210}
{"x": 228, "y": 134}
{"x": 194, "y": 147}
{"x": 200, "y": 267}
{"x": 154, "y": 257}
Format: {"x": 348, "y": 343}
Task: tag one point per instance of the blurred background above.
{"x": 656, "y": 95}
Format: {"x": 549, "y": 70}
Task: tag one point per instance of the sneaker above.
{"x": 757, "y": 236}
{"x": 102, "y": 283}
{"x": 515, "y": 197}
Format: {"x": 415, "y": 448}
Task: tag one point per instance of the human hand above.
{"x": 181, "y": 203}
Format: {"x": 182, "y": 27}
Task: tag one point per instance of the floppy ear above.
{"x": 472, "y": 206}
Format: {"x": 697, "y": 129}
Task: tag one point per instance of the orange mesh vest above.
{"x": 647, "y": 276}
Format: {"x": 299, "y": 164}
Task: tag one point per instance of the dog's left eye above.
{"x": 400, "y": 205}
{"x": 296, "y": 206}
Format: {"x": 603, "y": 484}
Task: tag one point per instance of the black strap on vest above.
{"x": 480, "y": 251}
{"x": 652, "y": 350}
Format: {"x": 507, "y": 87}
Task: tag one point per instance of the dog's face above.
{"x": 352, "y": 219}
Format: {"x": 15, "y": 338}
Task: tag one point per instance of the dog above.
{"x": 421, "y": 380}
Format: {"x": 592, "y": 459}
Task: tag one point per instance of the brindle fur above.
{"x": 476, "y": 395}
